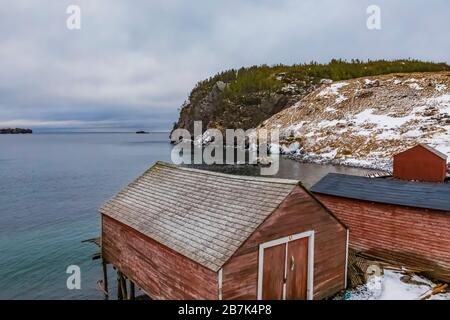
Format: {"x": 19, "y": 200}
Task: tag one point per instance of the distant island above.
{"x": 15, "y": 131}
{"x": 142, "y": 132}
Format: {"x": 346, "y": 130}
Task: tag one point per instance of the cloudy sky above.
{"x": 133, "y": 63}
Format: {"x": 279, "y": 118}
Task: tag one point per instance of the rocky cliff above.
{"x": 244, "y": 98}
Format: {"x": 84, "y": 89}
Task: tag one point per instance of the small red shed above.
{"x": 181, "y": 233}
{"x": 400, "y": 221}
{"x": 420, "y": 163}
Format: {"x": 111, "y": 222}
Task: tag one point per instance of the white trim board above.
{"x": 286, "y": 240}
{"x": 219, "y": 284}
{"x": 346, "y": 260}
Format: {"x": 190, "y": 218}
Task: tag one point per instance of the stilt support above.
{"x": 105, "y": 278}
{"x": 132, "y": 291}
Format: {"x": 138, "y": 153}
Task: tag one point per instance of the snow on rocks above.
{"x": 440, "y": 87}
{"x": 363, "y": 122}
{"x": 333, "y": 89}
{"x": 368, "y": 83}
{"x": 393, "y": 285}
{"x": 326, "y": 81}
{"x": 415, "y": 86}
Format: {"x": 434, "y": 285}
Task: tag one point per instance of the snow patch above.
{"x": 334, "y": 90}
{"x": 415, "y": 86}
{"x": 440, "y": 87}
{"x": 369, "y": 82}
{"x": 381, "y": 120}
{"x": 391, "y": 286}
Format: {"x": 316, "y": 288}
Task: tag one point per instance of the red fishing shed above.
{"x": 420, "y": 163}
{"x": 401, "y": 221}
{"x": 181, "y": 233}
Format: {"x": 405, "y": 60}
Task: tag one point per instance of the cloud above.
{"x": 133, "y": 63}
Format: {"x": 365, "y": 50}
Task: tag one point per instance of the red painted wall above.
{"x": 159, "y": 271}
{"x": 415, "y": 237}
{"x": 419, "y": 164}
{"x": 298, "y": 213}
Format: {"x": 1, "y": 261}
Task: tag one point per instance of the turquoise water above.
{"x": 51, "y": 186}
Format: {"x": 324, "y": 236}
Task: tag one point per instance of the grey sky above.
{"x": 133, "y": 63}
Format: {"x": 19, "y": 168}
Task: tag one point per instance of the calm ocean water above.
{"x": 51, "y": 186}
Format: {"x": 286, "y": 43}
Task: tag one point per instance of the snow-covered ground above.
{"x": 393, "y": 285}
{"x": 363, "y": 122}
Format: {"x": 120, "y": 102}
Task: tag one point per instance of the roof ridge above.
{"x": 226, "y": 175}
{"x": 433, "y": 150}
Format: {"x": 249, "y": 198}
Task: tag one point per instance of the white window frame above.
{"x": 286, "y": 240}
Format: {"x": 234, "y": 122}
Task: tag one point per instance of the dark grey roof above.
{"x": 405, "y": 193}
{"x": 203, "y": 215}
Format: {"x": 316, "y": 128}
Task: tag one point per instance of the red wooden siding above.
{"x": 419, "y": 164}
{"x": 415, "y": 237}
{"x": 298, "y": 213}
{"x": 158, "y": 270}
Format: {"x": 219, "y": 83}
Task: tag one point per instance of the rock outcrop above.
{"x": 214, "y": 111}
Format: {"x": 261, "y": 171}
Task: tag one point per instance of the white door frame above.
{"x": 286, "y": 240}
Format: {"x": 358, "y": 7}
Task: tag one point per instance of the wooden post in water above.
{"x": 119, "y": 286}
{"x": 105, "y": 278}
{"x": 123, "y": 284}
{"x": 132, "y": 291}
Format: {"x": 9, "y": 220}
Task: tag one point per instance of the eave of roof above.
{"x": 428, "y": 148}
{"x": 433, "y": 150}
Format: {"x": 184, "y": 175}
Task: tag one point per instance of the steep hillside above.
{"x": 244, "y": 98}
{"x": 365, "y": 121}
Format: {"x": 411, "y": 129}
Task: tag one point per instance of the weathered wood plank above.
{"x": 298, "y": 213}
{"x": 417, "y": 238}
{"x": 159, "y": 271}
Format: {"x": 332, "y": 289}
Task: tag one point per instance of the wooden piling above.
{"x": 119, "y": 286}
{"x": 105, "y": 278}
{"x": 123, "y": 284}
{"x": 132, "y": 295}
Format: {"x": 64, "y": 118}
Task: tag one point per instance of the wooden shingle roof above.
{"x": 203, "y": 215}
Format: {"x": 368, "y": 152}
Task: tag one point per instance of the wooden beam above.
{"x": 105, "y": 278}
